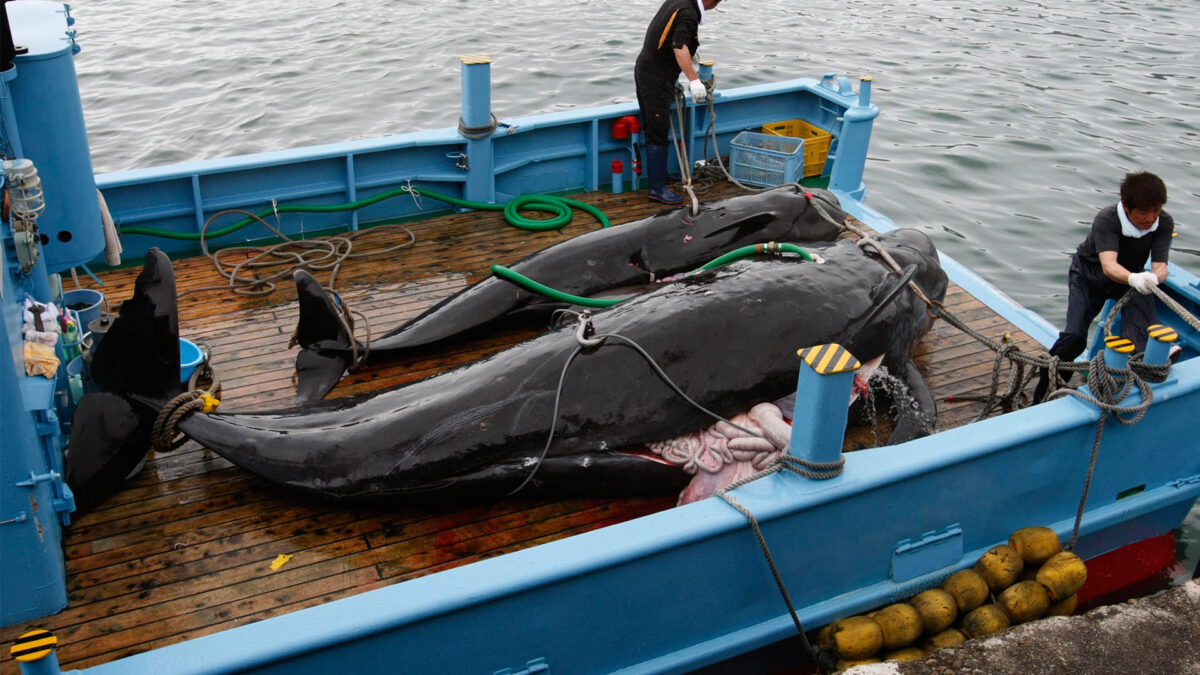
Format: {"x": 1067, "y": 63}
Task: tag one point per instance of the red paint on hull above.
{"x": 1131, "y": 571}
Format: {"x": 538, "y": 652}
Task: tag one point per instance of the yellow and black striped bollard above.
{"x": 34, "y": 651}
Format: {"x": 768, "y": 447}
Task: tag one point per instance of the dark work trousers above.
{"x": 655, "y": 93}
{"x": 1088, "y": 289}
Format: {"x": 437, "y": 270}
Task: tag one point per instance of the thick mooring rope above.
{"x": 1167, "y": 300}
{"x": 816, "y": 471}
{"x": 164, "y": 436}
{"x": 1108, "y": 385}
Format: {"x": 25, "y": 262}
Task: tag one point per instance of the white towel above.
{"x": 1129, "y": 229}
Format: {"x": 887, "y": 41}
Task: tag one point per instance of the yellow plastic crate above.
{"x": 816, "y": 142}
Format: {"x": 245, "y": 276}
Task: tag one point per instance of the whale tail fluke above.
{"x": 134, "y": 369}
{"x": 326, "y": 346}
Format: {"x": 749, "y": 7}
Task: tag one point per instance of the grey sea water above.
{"x": 1005, "y": 125}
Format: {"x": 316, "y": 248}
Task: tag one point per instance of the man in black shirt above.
{"x": 669, "y": 47}
{"x": 1111, "y": 260}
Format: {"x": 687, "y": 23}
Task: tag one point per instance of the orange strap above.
{"x": 667, "y": 31}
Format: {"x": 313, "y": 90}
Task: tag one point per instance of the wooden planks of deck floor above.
{"x": 187, "y": 547}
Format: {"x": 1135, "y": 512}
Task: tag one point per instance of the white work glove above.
{"x": 1143, "y": 282}
{"x": 699, "y": 91}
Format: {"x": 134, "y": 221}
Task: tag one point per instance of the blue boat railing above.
{"x": 549, "y": 153}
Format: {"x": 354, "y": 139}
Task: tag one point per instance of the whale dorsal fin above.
{"x": 324, "y": 343}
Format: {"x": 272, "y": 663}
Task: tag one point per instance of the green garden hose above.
{"x": 771, "y": 248}
{"x": 559, "y": 206}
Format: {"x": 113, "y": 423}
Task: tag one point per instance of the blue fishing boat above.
{"x": 197, "y": 565}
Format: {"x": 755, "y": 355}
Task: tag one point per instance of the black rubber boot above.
{"x": 656, "y": 171}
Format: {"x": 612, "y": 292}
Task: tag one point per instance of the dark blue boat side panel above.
{"x": 686, "y": 587}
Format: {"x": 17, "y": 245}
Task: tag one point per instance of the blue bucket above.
{"x": 86, "y": 302}
{"x": 190, "y": 356}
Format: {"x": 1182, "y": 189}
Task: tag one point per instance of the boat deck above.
{"x": 186, "y": 549}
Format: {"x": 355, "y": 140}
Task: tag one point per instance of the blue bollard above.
{"x": 1117, "y": 351}
{"x": 1158, "y": 347}
{"x": 34, "y": 652}
{"x": 822, "y": 402}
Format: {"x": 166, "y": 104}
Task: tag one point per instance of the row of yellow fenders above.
{"x": 1025, "y": 579}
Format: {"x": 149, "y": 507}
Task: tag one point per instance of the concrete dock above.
{"x": 1158, "y": 634}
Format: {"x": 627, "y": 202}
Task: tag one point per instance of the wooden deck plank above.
{"x": 185, "y": 549}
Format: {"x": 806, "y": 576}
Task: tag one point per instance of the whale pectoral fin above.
{"x": 325, "y": 345}
{"x": 916, "y": 416}
{"x": 317, "y": 373}
{"x": 109, "y": 436}
{"x": 746, "y": 226}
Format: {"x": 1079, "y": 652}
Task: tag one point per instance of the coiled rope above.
{"x": 164, "y": 437}
{"x": 478, "y": 133}
{"x": 308, "y": 254}
{"x": 1108, "y": 386}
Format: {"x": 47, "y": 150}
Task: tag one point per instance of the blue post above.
{"x": 34, "y": 652}
{"x": 1116, "y": 351}
{"x": 822, "y": 402}
{"x": 477, "y": 115}
{"x": 1158, "y": 347}
{"x": 851, "y": 159}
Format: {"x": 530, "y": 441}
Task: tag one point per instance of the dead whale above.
{"x": 641, "y": 252}
{"x": 727, "y": 338}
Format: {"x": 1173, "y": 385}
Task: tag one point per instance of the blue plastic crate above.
{"x": 766, "y": 160}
